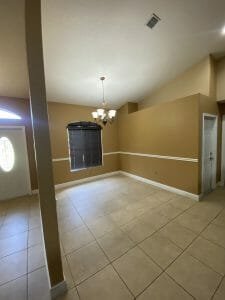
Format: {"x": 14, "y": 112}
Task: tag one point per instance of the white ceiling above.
{"x": 86, "y": 39}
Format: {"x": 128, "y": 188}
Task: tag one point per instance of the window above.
{"x": 7, "y": 156}
{"x": 85, "y": 145}
{"x": 4, "y": 114}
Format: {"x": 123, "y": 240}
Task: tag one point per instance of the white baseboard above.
{"x": 154, "y": 183}
{"x": 79, "y": 181}
{"x": 87, "y": 179}
{"x": 163, "y": 186}
{"x": 58, "y": 289}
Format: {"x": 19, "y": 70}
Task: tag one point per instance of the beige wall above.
{"x": 169, "y": 129}
{"x": 60, "y": 115}
{"x": 194, "y": 80}
{"x": 220, "y": 78}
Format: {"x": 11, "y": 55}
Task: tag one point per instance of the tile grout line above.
{"x": 110, "y": 262}
{"x": 147, "y": 237}
{"x": 185, "y": 249}
{"x": 135, "y": 244}
{"x": 164, "y": 270}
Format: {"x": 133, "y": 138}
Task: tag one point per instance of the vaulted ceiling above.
{"x": 86, "y": 39}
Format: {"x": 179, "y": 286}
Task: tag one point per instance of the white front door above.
{"x": 209, "y": 153}
{"x": 14, "y": 166}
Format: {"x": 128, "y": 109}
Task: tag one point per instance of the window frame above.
{"x": 68, "y": 143}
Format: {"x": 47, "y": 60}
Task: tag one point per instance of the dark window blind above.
{"x": 85, "y": 145}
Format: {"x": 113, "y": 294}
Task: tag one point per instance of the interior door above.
{"x": 209, "y": 156}
{"x": 14, "y": 167}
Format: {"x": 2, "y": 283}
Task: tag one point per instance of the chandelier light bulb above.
{"x": 100, "y": 112}
{"x": 94, "y": 114}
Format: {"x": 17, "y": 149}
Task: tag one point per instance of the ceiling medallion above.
{"x": 104, "y": 115}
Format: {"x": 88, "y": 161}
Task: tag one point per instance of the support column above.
{"x": 42, "y": 145}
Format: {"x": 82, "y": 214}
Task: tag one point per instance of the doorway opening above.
{"x": 209, "y": 152}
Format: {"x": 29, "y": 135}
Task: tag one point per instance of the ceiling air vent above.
{"x": 153, "y": 21}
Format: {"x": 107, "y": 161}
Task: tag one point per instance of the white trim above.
{"x": 223, "y": 153}
{"x": 111, "y": 153}
{"x": 78, "y": 181}
{"x": 58, "y": 289}
{"x": 215, "y": 117}
{"x": 155, "y": 183}
{"x": 163, "y": 186}
{"x": 187, "y": 159}
{"x": 60, "y": 159}
{"x": 162, "y": 156}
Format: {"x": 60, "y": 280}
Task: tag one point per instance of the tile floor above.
{"x": 121, "y": 239}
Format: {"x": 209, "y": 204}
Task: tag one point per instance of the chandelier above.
{"x": 104, "y": 115}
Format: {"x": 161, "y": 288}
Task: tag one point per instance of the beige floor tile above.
{"x": 160, "y": 249}
{"x": 87, "y": 261}
{"x": 90, "y": 214}
{"x": 69, "y": 295}
{"x": 65, "y": 211}
{"x": 35, "y": 237}
{"x": 38, "y": 286}
{"x": 199, "y": 280}
{"x": 69, "y": 223}
{"x": 34, "y": 222}
{"x": 115, "y": 244}
{"x": 164, "y": 196}
{"x": 209, "y": 253}
{"x": 178, "y": 234}
{"x": 36, "y": 257}
{"x": 13, "y": 244}
{"x": 152, "y": 202}
{"x": 194, "y": 223}
{"x": 123, "y": 216}
{"x": 105, "y": 285}
{"x": 101, "y": 226}
{"x": 182, "y": 203}
{"x": 14, "y": 290}
{"x": 169, "y": 211}
{"x": 164, "y": 288}
{"x": 154, "y": 219}
{"x": 137, "y": 270}
{"x": 13, "y": 266}
{"x": 138, "y": 230}
{"x": 76, "y": 239}
{"x": 17, "y": 217}
{"x": 12, "y": 229}
{"x": 220, "y": 293}
{"x": 220, "y": 220}
{"x": 215, "y": 233}
{"x": 204, "y": 210}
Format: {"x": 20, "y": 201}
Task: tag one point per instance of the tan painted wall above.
{"x": 168, "y": 129}
{"x": 59, "y": 116}
{"x": 220, "y": 76}
{"x": 194, "y": 80}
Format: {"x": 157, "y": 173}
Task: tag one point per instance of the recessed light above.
{"x": 223, "y": 30}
